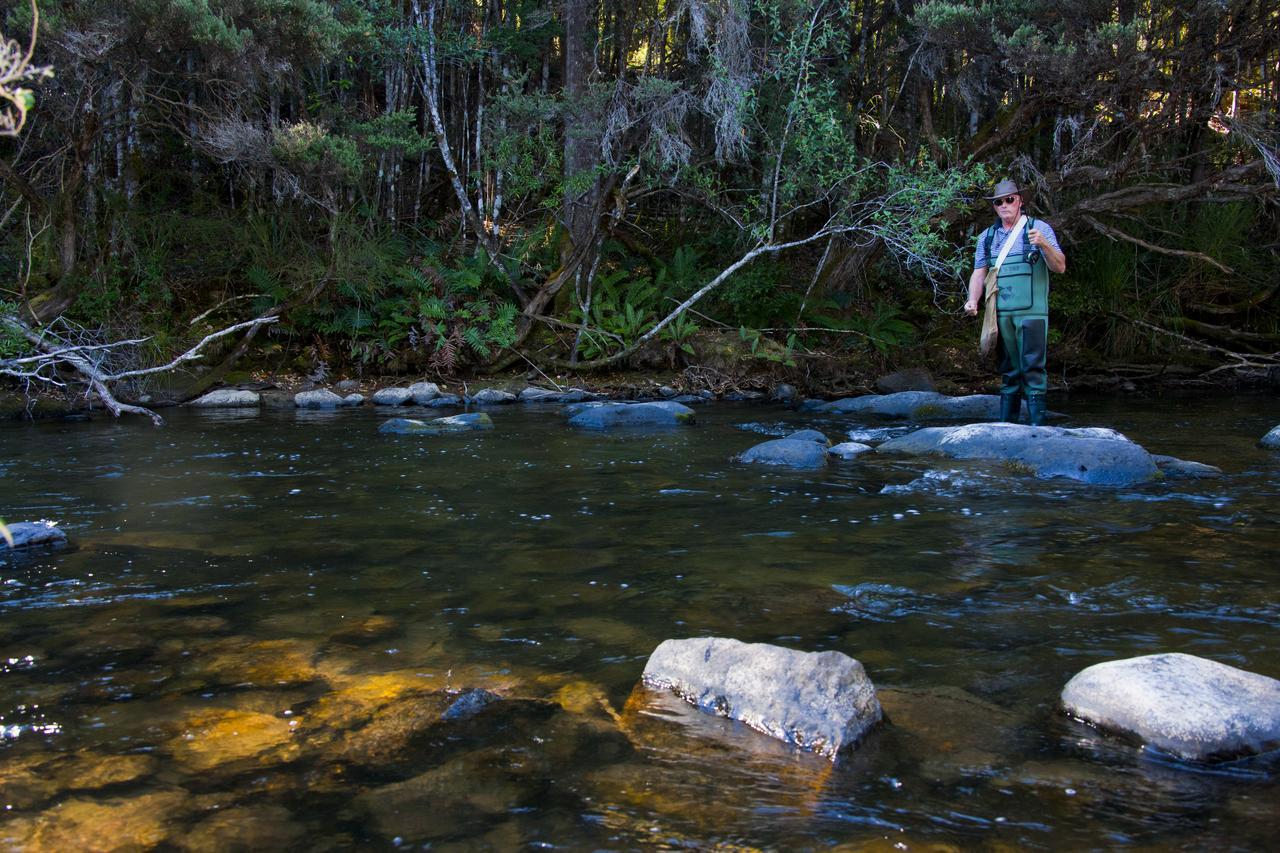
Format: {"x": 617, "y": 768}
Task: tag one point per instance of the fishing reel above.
{"x": 1033, "y": 257}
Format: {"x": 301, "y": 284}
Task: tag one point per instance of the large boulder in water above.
{"x": 1091, "y": 455}
{"x": 787, "y": 452}
{"x": 916, "y": 406}
{"x": 34, "y": 534}
{"x": 662, "y": 413}
{"x": 819, "y": 701}
{"x": 1191, "y": 707}
{"x": 438, "y": 426}
{"x": 1271, "y": 439}
{"x": 392, "y": 397}
{"x": 322, "y": 398}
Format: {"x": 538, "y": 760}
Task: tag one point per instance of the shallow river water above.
{"x": 262, "y": 619}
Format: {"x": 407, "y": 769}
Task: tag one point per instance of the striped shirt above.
{"x": 997, "y": 243}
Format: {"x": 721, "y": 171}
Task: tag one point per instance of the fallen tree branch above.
{"x": 1117, "y": 234}
{"x": 52, "y": 351}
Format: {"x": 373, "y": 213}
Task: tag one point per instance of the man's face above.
{"x": 1008, "y": 207}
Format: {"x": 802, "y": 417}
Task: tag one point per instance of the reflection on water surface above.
{"x": 289, "y": 631}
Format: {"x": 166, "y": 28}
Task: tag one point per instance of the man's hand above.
{"x": 971, "y": 308}
{"x": 1037, "y": 239}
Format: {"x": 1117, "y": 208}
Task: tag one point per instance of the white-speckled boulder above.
{"x": 322, "y": 398}
{"x": 392, "y": 397}
{"x": 229, "y": 398}
{"x": 35, "y": 534}
{"x": 1272, "y": 439}
{"x": 1091, "y": 455}
{"x": 662, "y": 413}
{"x": 819, "y": 701}
{"x": 424, "y": 392}
{"x": 786, "y": 452}
{"x": 1188, "y": 706}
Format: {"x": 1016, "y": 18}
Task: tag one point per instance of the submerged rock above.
{"x": 392, "y": 396}
{"x": 822, "y": 702}
{"x": 1189, "y": 706}
{"x": 438, "y": 426}
{"x": 227, "y": 398}
{"x": 1271, "y": 440}
{"x": 443, "y": 401}
{"x": 916, "y": 406}
{"x": 33, "y": 534}
{"x": 120, "y": 823}
{"x": 787, "y": 452}
{"x": 1090, "y": 455}
{"x": 611, "y": 415}
{"x": 1183, "y": 469}
{"x": 809, "y": 435}
{"x": 848, "y": 449}
{"x": 251, "y": 827}
{"x": 212, "y": 739}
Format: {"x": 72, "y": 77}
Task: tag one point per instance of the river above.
{"x": 263, "y": 615}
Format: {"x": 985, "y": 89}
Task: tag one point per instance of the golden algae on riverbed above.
{"x": 265, "y": 663}
{"x": 213, "y": 739}
{"x": 100, "y": 826}
{"x": 30, "y": 780}
{"x": 251, "y": 827}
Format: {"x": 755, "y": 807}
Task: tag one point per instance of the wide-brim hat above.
{"x": 1004, "y": 188}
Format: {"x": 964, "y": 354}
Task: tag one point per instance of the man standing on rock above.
{"x": 1022, "y": 303}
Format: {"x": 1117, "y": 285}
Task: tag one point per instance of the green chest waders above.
{"x": 1022, "y": 312}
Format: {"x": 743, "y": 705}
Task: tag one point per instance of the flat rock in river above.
{"x": 32, "y": 534}
{"x": 1091, "y": 455}
{"x": 438, "y": 426}
{"x": 787, "y": 452}
{"x": 1189, "y": 706}
{"x": 322, "y": 398}
{"x": 662, "y": 413}
{"x": 819, "y": 701}
{"x": 848, "y": 449}
{"x": 916, "y": 406}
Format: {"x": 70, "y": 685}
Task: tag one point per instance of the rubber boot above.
{"x": 1010, "y": 406}
{"x": 1035, "y": 409}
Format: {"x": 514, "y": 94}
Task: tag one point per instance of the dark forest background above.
{"x": 444, "y": 187}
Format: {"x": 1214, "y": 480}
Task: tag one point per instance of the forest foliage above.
{"x": 448, "y": 185}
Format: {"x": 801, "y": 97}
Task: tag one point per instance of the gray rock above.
{"x": 788, "y": 452}
{"x": 667, "y": 391}
{"x": 424, "y": 392}
{"x": 1191, "y": 707}
{"x": 1182, "y": 469}
{"x": 444, "y": 401}
{"x": 319, "y": 399}
{"x": 848, "y": 449}
{"x": 737, "y": 396}
{"x": 353, "y": 400}
{"x": 1271, "y": 440}
{"x": 33, "y": 534}
{"x": 784, "y": 392}
{"x": 492, "y": 397}
{"x": 540, "y": 395}
{"x": 917, "y": 406}
{"x": 1091, "y": 455}
{"x": 227, "y": 398}
{"x": 663, "y": 413}
{"x": 348, "y": 385}
{"x": 437, "y": 426}
{"x": 470, "y": 702}
{"x": 707, "y": 394}
{"x": 577, "y": 395}
{"x": 690, "y": 400}
{"x": 810, "y": 435}
{"x": 819, "y": 701}
{"x": 911, "y": 379}
{"x": 392, "y": 396}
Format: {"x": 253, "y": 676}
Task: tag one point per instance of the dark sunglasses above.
{"x": 1000, "y": 202}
